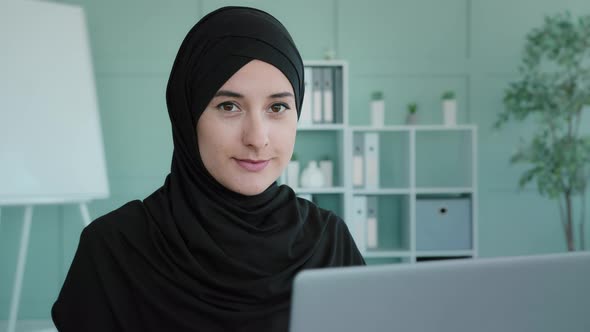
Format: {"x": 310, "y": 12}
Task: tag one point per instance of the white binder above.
{"x": 372, "y": 223}
{"x": 358, "y": 161}
{"x": 359, "y": 213}
{"x": 371, "y": 145}
{"x": 317, "y": 95}
{"x": 328, "y": 95}
{"x": 305, "y": 117}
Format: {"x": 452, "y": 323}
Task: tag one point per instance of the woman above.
{"x": 216, "y": 248}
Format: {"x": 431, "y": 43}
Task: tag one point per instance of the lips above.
{"x": 252, "y": 165}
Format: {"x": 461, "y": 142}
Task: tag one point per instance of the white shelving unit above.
{"x": 405, "y": 193}
{"x": 410, "y": 193}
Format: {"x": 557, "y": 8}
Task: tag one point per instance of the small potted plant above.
{"x": 293, "y": 172}
{"x": 412, "y": 116}
{"x": 449, "y": 107}
{"x": 377, "y": 109}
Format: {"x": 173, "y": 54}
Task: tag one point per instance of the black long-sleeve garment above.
{"x": 128, "y": 275}
{"x": 195, "y": 256}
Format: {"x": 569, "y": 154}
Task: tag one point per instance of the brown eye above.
{"x": 278, "y": 108}
{"x": 228, "y": 107}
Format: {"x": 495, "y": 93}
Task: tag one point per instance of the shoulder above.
{"x": 316, "y": 214}
{"x": 336, "y": 235}
{"x": 126, "y": 216}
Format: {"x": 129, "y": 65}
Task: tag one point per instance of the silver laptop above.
{"x": 544, "y": 293}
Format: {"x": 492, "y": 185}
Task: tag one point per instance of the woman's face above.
{"x": 247, "y": 132}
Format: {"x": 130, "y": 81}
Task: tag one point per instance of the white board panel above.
{"x": 51, "y": 147}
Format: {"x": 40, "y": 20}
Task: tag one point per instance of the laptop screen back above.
{"x": 544, "y": 293}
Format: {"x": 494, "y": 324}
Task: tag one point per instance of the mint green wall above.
{"x": 413, "y": 50}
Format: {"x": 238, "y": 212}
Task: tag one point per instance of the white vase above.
{"x": 327, "y": 168}
{"x": 378, "y": 113}
{"x": 449, "y": 107}
{"x": 312, "y": 176}
{"x": 293, "y": 174}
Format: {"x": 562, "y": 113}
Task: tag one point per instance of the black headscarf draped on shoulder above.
{"x": 194, "y": 255}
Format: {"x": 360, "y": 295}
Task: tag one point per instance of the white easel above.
{"x": 51, "y": 146}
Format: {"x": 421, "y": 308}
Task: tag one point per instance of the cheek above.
{"x": 208, "y": 144}
{"x": 212, "y": 151}
{"x": 285, "y": 140}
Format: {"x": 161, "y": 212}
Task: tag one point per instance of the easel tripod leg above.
{"x": 20, "y": 268}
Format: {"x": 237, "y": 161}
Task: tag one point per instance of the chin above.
{"x": 249, "y": 189}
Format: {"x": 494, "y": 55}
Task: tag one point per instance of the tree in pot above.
{"x": 554, "y": 90}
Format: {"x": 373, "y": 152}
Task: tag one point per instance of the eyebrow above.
{"x": 233, "y": 94}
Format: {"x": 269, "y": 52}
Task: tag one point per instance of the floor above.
{"x": 30, "y": 326}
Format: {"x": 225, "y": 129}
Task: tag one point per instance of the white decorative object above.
{"x": 293, "y": 173}
{"x": 450, "y": 112}
{"x": 327, "y": 168}
{"x": 312, "y": 177}
{"x": 411, "y": 119}
{"x": 377, "y": 110}
{"x": 449, "y": 107}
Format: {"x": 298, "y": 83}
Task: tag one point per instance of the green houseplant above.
{"x": 411, "y": 117}
{"x": 448, "y": 95}
{"x": 554, "y": 90}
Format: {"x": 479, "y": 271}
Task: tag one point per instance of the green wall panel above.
{"x": 518, "y": 223}
{"x": 402, "y": 29}
{"x": 135, "y": 123}
{"x": 137, "y": 35}
{"x": 443, "y": 159}
{"x": 498, "y": 28}
{"x": 42, "y": 269}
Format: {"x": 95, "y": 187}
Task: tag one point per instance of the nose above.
{"x": 255, "y": 131}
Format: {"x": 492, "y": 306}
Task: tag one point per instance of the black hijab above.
{"x": 194, "y": 255}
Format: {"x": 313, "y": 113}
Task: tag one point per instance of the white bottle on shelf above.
{"x": 312, "y": 176}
